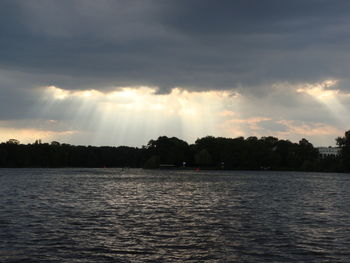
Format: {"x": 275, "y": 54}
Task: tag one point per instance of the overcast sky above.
{"x": 114, "y": 72}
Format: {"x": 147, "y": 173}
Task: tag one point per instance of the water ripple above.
{"x": 113, "y": 215}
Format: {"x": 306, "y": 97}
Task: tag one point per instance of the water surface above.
{"x": 114, "y": 215}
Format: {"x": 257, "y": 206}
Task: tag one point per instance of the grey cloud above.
{"x": 17, "y": 95}
{"x": 193, "y": 44}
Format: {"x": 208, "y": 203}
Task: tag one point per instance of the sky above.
{"x": 121, "y": 72}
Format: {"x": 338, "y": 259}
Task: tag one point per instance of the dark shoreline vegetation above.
{"x": 266, "y": 153}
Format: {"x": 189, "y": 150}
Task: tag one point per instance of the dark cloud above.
{"x": 196, "y": 44}
{"x": 17, "y": 95}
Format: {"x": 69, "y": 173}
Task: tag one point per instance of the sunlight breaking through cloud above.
{"x": 326, "y": 94}
{"x": 128, "y": 111}
{"x": 134, "y": 115}
{"x": 321, "y": 91}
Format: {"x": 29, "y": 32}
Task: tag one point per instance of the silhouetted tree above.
{"x": 203, "y": 158}
{"x": 236, "y": 153}
{"x": 13, "y": 141}
{"x": 344, "y": 143}
{"x": 170, "y": 150}
{"x": 306, "y": 155}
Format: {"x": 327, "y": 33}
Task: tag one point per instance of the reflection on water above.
{"x": 110, "y": 215}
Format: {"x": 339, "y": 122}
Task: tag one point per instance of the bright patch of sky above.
{"x": 134, "y": 115}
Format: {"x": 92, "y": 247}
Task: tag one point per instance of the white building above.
{"x": 328, "y": 151}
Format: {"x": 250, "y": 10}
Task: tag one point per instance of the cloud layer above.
{"x": 192, "y": 44}
{"x": 272, "y": 53}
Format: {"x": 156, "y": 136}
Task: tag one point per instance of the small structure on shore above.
{"x": 328, "y": 151}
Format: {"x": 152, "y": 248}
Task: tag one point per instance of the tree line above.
{"x": 252, "y": 153}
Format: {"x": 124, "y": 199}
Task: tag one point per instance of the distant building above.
{"x": 328, "y": 151}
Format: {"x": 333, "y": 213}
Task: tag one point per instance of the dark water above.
{"x": 109, "y": 215}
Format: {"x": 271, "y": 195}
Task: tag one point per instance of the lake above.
{"x": 115, "y": 215}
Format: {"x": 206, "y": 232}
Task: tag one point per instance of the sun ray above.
{"x": 329, "y": 97}
{"x": 134, "y": 115}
